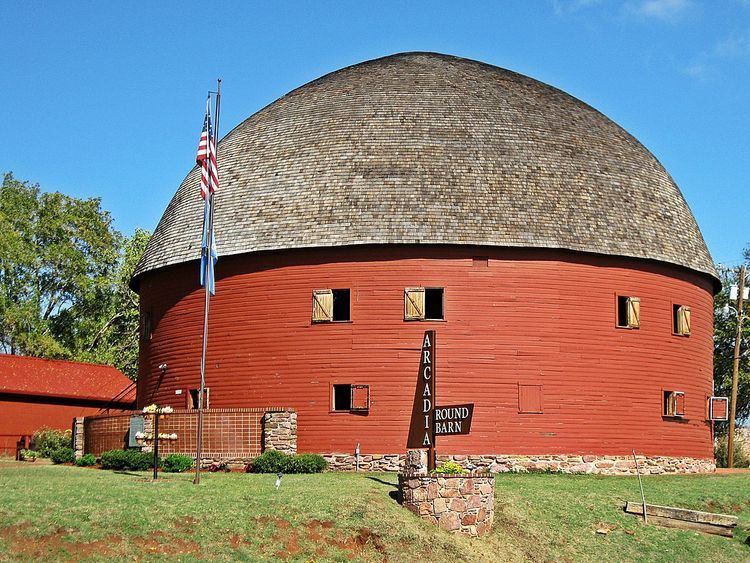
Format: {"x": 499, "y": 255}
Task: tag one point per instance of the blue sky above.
{"x": 106, "y": 99}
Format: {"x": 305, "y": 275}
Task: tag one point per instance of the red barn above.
{"x": 566, "y": 277}
{"x": 35, "y": 392}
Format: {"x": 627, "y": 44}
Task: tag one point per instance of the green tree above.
{"x": 725, "y": 326}
{"x": 63, "y": 278}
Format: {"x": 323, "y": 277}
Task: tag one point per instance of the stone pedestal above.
{"x": 463, "y": 504}
{"x": 416, "y": 462}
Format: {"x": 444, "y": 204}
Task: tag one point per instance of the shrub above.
{"x": 741, "y": 458}
{"x": 28, "y": 455}
{"x": 132, "y": 460}
{"x": 306, "y": 463}
{"x": 63, "y": 455}
{"x": 450, "y": 468}
{"x": 46, "y": 440}
{"x": 177, "y": 463}
{"x": 273, "y": 461}
{"x": 86, "y": 460}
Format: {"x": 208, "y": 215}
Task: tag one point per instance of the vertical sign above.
{"x": 422, "y": 428}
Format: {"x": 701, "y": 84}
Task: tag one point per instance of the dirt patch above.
{"x": 165, "y": 544}
{"x": 50, "y": 546}
{"x": 273, "y": 520}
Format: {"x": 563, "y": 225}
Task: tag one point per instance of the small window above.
{"x": 681, "y": 320}
{"x": 673, "y": 403}
{"x": 423, "y": 304}
{"x": 146, "y": 326}
{"x": 480, "y": 261}
{"x": 530, "y": 399}
{"x": 628, "y": 312}
{"x": 350, "y": 397}
{"x": 193, "y": 398}
{"x": 331, "y": 305}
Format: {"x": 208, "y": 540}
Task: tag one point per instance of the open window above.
{"x": 628, "y": 312}
{"x": 348, "y": 397}
{"x": 331, "y": 305}
{"x": 424, "y": 304}
{"x": 193, "y": 398}
{"x": 681, "y": 320}
{"x": 673, "y": 404}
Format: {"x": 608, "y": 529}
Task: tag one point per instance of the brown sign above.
{"x": 455, "y": 419}
{"x": 422, "y": 429}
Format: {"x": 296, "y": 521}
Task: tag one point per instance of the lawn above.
{"x": 51, "y": 512}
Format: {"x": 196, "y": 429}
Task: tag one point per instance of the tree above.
{"x": 725, "y": 326}
{"x": 63, "y": 278}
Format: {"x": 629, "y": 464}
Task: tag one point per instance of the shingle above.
{"x": 433, "y": 149}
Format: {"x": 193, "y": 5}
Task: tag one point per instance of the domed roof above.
{"x": 423, "y": 148}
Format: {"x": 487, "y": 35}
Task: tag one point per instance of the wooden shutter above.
{"x": 360, "y": 397}
{"x": 718, "y": 408}
{"x": 634, "y": 312}
{"x": 683, "y": 320}
{"x": 322, "y": 306}
{"x": 530, "y": 399}
{"x": 413, "y": 303}
{"x": 679, "y": 403}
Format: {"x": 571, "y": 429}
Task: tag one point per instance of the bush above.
{"x": 132, "y": 460}
{"x": 741, "y": 458}
{"x": 46, "y": 440}
{"x": 177, "y": 463}
{"x": 63, "y": 455}
{"x": 450, "y": 468}
{"x": 28, "y": 455}
{"x": 273, "y": 461}
{"x": 86, "y": 460}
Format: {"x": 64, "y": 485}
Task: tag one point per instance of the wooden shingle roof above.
{"x": 433, "y": 149}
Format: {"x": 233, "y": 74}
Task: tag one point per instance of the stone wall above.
{"x": 457, "y": 503}
{"x": 603, "y": 465}
{"x": 280, "y": 431}
{"x": 78, "y": 440}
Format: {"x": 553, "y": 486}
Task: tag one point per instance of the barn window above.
{"x": 628, "y": 312}
{"x": 681, "y": 320}
{"x": 350, "y": 397}
{"x": 530, "y": 399}
{"x": 193, "y": 398}
{"x": 331, "y": 305}
{"x": 423, "y": 304}
{"x": 673, "y": 403}
{"x": 145, "y": 325}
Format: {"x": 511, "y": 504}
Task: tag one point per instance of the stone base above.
{"x": 591, "y": 464}
{"x": 461, "y": 504}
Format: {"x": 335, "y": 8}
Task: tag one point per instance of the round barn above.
{"x": 567, "y": 282}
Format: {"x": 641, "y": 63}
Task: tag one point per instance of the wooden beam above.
{"x": 671, "y": 517}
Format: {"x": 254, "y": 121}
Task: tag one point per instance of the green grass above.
{"x": 51, "y": 512}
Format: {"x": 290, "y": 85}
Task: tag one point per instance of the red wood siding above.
{"x": 532, "y": 317}
{"x": 21, "y": 418}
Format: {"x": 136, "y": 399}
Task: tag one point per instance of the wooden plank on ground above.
{"x": 671, "y": 517}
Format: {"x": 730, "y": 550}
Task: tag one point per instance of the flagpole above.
{"x": 208, "y": 282}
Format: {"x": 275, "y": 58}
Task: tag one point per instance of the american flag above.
{"x": 207, "y": 157}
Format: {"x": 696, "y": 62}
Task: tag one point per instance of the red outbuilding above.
{"x": 566, "y": 279}
{"x": 35, "y": 393}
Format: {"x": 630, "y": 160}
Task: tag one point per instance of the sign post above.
{"x": 422, "y": 430}
{"x": 428, "y": 420}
